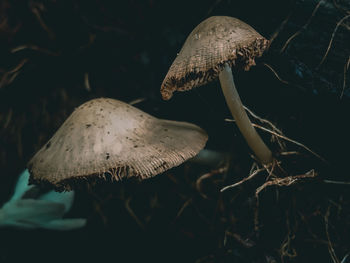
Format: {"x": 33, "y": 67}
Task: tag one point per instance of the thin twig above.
{"x": 333, "y": 35}
{"x": 252, "y": 175}
{"x": 345, "y": 258}
{"x": 292, "y": 141}
{"x": 136, "y": 101}
{"x": 186, "y": 204}
{"x": 256, "y": 214}
{"x": 285, "y": 138}
{"x": 87, "y": 82}
{"x": 330, "y": 246}
{"x": 282, "y": 80}
{"x": 263, "y": 120}
{"x": 290, "y": 153}
{"x": 206, "y": 176}
{"x": 280, "y": 28}
{"x": 340, "y": 8}
{"x": 246, "y": 242}
{"x": 8, "y": 118}
{"x": 302, "y": 28}
{"x": 335, "y": 182}
{"x": 276, "y": 75}
{"x": 286, "y": 181}
{"x": 35, "y": 9}
{"x": 19, "y": 66}
{"x": 132, "y": 214}
{"x": 9, "y": 76}
{"x": 286, "y": 249}
{"x": 274, "y": 128}
{"x": 98, "y": 209}
{"x": 35, "y": 48}
{"x": 270, "y": 171}
{"x": 253, "y": 167}
{"x": 346, "y": 68}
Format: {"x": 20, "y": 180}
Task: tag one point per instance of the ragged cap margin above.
{"x": 111, "y": 174}
{"x": 243, "y": 57}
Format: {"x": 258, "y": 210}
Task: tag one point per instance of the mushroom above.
{"x": 109, "y": 138}
{"x": 212, "y": 48}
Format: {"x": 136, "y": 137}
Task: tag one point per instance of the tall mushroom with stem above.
{"x": 109, "y": 139}
{"x": 212, "y": 48}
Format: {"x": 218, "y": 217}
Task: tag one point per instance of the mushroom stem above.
{"x": 261, "y": 151}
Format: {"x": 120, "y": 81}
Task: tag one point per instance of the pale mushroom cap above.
{"x": 214, "y": 42}
{"x": 107, "y": 138}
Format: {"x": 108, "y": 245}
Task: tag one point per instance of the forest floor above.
{"x": 57, "y": 55}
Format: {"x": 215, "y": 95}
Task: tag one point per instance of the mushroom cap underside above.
{"x": 213, "y": 43}
{"x": 107, "y": 138}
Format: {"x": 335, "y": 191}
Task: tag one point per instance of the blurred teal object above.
{"x": 29, "y": 209}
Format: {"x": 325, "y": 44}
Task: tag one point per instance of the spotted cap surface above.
{"x": 214, "y": 42}
{"x": 109, "y": 139}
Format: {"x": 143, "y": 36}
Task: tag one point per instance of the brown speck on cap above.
{"x": 214, "y": 42}
{"x": 107, "y": 149}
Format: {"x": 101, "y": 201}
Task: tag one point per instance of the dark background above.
{"x": 51, "y": 49}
